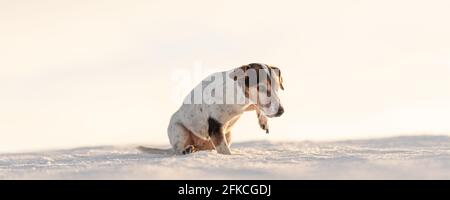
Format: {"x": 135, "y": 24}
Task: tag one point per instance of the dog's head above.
{"x": 261, "y": 83}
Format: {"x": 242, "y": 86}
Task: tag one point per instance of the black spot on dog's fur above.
{"x": 214, "y": 127}
{"x": 215, "y": 131}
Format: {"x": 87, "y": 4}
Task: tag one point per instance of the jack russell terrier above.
{"x": 205, "y": 119}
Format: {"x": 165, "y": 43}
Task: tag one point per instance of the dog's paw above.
{"x": 189, "y": 149}
{"x": 264, "y": 127}
{"x": 263, "y": 123}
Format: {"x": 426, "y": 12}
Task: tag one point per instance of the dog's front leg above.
{"x": 220, "y": 143}
{"x": 262, "y": 120}
{"x": 217, "y": 135}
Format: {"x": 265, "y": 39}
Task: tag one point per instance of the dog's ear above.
{"x": 278, "y": 73}
{"x": 281, "y": 82}
{"x": 239, "y": 73}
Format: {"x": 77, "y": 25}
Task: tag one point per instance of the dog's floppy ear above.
{"x": 281, "y": 82}
{"x": 280, "y": 78}
{"x": 239, "y": 73}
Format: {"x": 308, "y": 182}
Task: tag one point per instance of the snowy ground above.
{"x": 415, "y": 157}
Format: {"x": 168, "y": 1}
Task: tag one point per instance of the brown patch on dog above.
{"x": 244, "y": 68}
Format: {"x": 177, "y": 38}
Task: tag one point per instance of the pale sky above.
{"x": 77, "y": 73}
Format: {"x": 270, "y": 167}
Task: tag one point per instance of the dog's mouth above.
{"x": 273, "y": 116}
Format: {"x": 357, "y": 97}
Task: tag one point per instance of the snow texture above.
{"x": 409, "y": 157}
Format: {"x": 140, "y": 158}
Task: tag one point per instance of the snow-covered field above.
{"x": 414, "y": 157}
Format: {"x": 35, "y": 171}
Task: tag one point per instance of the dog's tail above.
{"x": 155, "y": 150}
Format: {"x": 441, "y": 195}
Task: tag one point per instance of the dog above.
{"x": 206, "y": 118}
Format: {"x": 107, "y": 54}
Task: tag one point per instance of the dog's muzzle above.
{"x": 280, "y": 111}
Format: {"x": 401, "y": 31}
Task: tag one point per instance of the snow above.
{"x": 407, "y": 157}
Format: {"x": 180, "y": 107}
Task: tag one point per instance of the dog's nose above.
{"x": 280, "y": 111}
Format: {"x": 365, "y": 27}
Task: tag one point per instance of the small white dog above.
{"x": 205, "y": 119}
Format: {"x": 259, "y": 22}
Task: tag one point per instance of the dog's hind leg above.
{"x": 181, "y": 139}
